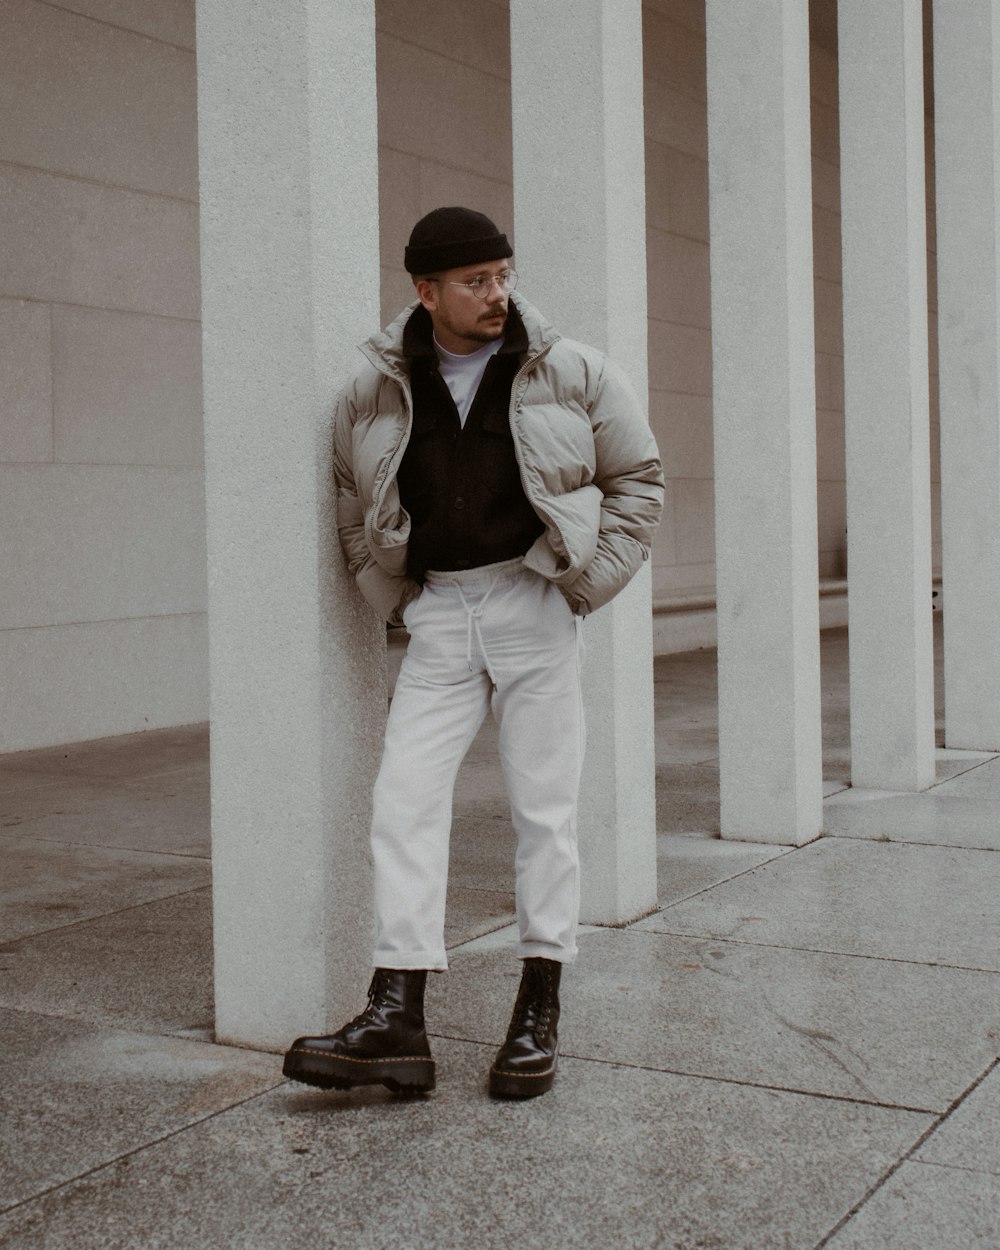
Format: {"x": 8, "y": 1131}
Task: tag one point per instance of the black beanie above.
{"x": 448, "y": 238}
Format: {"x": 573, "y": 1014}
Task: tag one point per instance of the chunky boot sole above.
{"x": 521, "y": 1084}
{"x": 409, "y": 1075}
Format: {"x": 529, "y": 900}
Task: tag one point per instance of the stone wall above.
{"x": 102, "y": 617}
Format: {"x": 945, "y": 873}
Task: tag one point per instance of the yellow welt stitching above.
{"x": 302, "y": 1050}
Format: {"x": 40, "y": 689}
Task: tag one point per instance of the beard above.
{"x": 492, "y": 327}
{"x": 487, "y": 327}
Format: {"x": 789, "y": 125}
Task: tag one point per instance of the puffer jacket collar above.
{"x": 410, "y": 335}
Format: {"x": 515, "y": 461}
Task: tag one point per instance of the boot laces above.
{"x": 533, "y": 1008}
{"x": 376, "y": 998}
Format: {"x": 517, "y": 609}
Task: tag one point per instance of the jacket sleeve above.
{"x": 386, "y": 593}
{"x": 350, "y": 513}
{"x": 630, "y": 477}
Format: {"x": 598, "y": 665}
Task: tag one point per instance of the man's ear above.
{"x": 427, "y": 293}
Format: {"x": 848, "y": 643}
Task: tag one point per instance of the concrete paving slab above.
{"x": 687, "y": 797}
{"x": 27, "y": 796}
{"x": 947, "y": 764}
{"x": 928, "y": 904}
{"x": 836, "y": 768}
{"x": 21, "y": 787}
{"x": 149, "y": 968}
{"x": 702, "y": 778}
{"x": 502, "y": 939}
{"x": 168, "y": 812}
{"x": 930, "y": 818}
{"x": 482, "y": 844}
{"x": 21, "y": 790}
{"x": 924, "y": 1207}
{"x": 979, "y": 781}
{"x": 690, "y": 863}
{"x": 73, "y": 1097}
{"x": 471, "y": 913}
{"x": 970, "y": 1137}
{"x": 950, "y": 763}
{"x": 48, "y": 885}
{"x": 611, "y": 1157}
{"x": 873, "y": 1030}
{"x": 693, "y": 744}
{"x": 685, "y": 689}
{"x": 121, "y": 758}
{"x": 480, "y": 770}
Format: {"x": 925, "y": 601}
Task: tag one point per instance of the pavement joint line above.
{"x": 174, "y": 469}
{"x": 814, "y": 950}
{"x": 107, "y": 1024}
{"x": 137, "y": 1150}
{"x": 481, "y": 889}
{"x": 73, "y": 924}
{"x": 709, "y": 1076}
{"x": 779, "y": 854}
{"x": 906, "y": 841}
{"x": 904, "y": 1158}
{"x": 23, "y": 770}
{"x": 467, "y": 941}
{"x": 706, "y": 889}
{"x": 686, "y": 898}
{"x": 102, "y": 846}
{"x": 962, "y": 773}
{"x": 129, "y": 30}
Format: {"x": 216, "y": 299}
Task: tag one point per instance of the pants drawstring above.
{"x": 475, "y": 615}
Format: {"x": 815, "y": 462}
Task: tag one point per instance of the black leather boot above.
{"x": 386, "y": 1045}
{"x": 525, "y": 1065}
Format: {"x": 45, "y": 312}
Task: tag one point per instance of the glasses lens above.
{"x": 483, "y": 286}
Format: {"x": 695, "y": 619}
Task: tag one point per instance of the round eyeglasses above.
{"x": 482, "y": 284}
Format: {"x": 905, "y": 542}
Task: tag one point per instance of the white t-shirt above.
{"x": 464, "y": 373}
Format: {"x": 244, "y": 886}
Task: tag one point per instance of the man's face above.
{"x": 463, "y": 322}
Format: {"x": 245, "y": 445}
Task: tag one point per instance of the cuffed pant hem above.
{"x": 410, "y": 961}
{"x": 541, "y": 950}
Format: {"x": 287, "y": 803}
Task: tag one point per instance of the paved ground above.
{"x": 799, "y": 1050}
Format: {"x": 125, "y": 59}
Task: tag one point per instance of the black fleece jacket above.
{"x": 461, "y": 485}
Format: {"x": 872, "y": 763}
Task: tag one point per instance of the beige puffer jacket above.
{"x": 589, "y": 467}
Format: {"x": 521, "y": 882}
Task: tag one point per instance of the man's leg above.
{"x": 436, "y": 710}
{"x": 539, "y": 708}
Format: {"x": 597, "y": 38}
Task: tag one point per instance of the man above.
{"x": 495, "y": 483}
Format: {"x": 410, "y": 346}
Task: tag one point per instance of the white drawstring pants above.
{"x": 499, "y": 636}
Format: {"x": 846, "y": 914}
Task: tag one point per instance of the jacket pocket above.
{"x": 573, "y": 525}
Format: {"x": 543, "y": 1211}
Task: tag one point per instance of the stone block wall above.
{"x": 102, "y": 616}
{"x": 444, "y": 121}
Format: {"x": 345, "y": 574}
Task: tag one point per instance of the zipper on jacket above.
{"x": 396, "y": 456}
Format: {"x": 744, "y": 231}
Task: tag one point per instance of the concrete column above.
{"x": 886, "y": 394}
{"x": 579, "y": 209}
{"x": 764, "y": 414}
{"x": 967, "y": 148}
{"x": 289, "y": 174}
